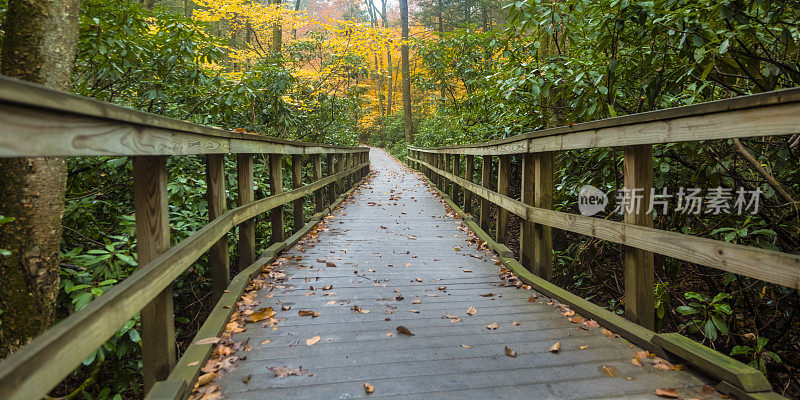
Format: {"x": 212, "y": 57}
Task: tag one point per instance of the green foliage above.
{"x": 759, "y": 356}
{"x": 709, "y": 316}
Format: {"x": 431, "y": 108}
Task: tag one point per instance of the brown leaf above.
{"x": 402, "y": 329}
{"x": 510, "y": 352}
{"x": 416, "y": 301}
{"x": 418, "y": 279}
{"x": 487, "y": 295}
{"x": 305, "y": 313}
{"x": 205, "y": 379}
{"x": 609, "y": 370}
{"x": 669, "y": 393}
{"x": 449, "y": 316}
{"x": 607, "y": 332}
{"x": 493, "y": 326}
{"x": 368, "y": 388}
{"x": 472, "y": 311}
{"x": 577, "y": 320}
{"x": 516, "y": 323}
{"x": 283, "y": 371}
{"x": 636, "y": 361}
{"x": 330, "y": 264}
{"x": 555, "y": 348}
{"x": 321, "y": 261}
{"x": 312, "y": 341}
{"x": 708, "y": 389}
{"x": 261, "y": 315}
{"x": 466, "y": 346}
{"x": 531, "y": 299}
{"x": 414, "y": 311}
{"x": 329, "y": 287}
{"x": 591, "y": 324}
{"x": 246, "y": 379}
{"x": 568, "y": 313}
{"x": 211, "y": 340}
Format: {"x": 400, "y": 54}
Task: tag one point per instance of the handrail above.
{"x": 59, "y": 124}
{"x": 764, "y": 114}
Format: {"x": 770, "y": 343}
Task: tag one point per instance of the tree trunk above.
{"x": 149, "y": 4}
{"x": 277, "y": 34}
{"x": 39, "y": 46}
{"x": 390, "y": 85}
{"x": 407, "y": 122}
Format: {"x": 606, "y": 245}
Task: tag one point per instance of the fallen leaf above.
{"x": 669, "y": 393}
{"x": 487, "y": 295}
{"x": 414, "y": 311}
{"x": 192, "y": 364}
{"x": 531, "y": 299}
{"x": 510, "y": 352}
{"x": 466, "y": 346}
{"x": 312, "y": 341}
{"x": 332, "y": 302}
{"x": 472, "y": 311}
{"x": 493, "y": 326}
{"x": 283, "y": 371}
{"x": 455, "y": 320}
{"x": 389, "y": 333}
{"x": 402, "y": 329}
{"x": 416, "y": 301}
{"x": 418, "y": 279}
{"x": 329, "y": 287}
{"x": 330, "y": 264}
{"x": 555, "y": 348}
{"x": 261, "y": 315}
{"x": 609, "y": 370}
{"x": 516, "y": 323}
{"x": 569, "y": 313}
{"x": 577, "y": 320}
{"x": 708, "y": 389}
{"x": 368, "y": 388}
{"x": 266, "y": 341}
{"x": 205, "y": 379}
{"x": 591, "y": 324}
{"x": 582, "y": 347}
{"x": 607, "y": 332}
{"x": 305, "y": 313}
{"x": 636, "y": 361}
{"x": 211, "y": 340}
{"x": 246, "y": 379}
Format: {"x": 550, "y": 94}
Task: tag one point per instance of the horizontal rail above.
{"x": 766, "y": 265}
{"x": 42, "y": 364}
{"x": 765, "y": 114}
{"x": 56, "y": 124}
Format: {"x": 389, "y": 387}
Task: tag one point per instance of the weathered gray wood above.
{"x": 526, "y": 239}
{"x": 766, "y": 265}
{"x": 543, "y": 198}
{"x": 503, "y": 176}
{"x": 152, "y": 235}
{"x": 341, "y": 184}
{"x": 486, "y": 181}
{"x": 219, "y": 263}
{"x": 247, "y": 229}
{"x": 331, "y": 169}
{"x": 297, "y": 182}
{"x": 457, "y": 192}
{"x": 276, "y": 188}
{"x": 319, "y": 195}
{"x": 638, "y": 263}
{"x": 469, "y": 175}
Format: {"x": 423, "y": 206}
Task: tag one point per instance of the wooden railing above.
{"x": 37, "y": 122}
{"x": 774, "y": 113}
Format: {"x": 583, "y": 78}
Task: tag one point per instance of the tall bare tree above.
{"x": 407, "y": 121}
{"x": 39, "y": 46}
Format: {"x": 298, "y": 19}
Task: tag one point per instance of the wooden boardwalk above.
{"x": 401, "y": 259}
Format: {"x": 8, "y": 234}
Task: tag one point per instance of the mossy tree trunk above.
{"x": 407, "y": 121}
{"x": 39, "y": 46}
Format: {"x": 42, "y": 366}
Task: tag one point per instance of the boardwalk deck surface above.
{"x": 393, "y": 232}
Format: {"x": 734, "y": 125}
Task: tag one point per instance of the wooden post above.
{"x": 526, "y": 241}
{"x": 639, "y": 271}
{"x": 276, "y": 187}
{"x": 440, "y": 165}
{"x": 319, "y": 195}
{"x": 297, "y": 182}
{"x": 152, "y": 234}
{"x": 486, "y": 180}
{"x": 331, "y": 165}
{"x": 219, "y": 262}
{"x": 503, "y": 175}
{"x": 456, "y": 172}
{"x": 469, "y": 175}
{"x": 247, "y": 229}
{"x": 448, "y": 184}
{"x": 543, "y": 198}
{"x": 343, "y": 181}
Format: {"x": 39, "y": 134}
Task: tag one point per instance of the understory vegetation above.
{"x": 481, "y": 70}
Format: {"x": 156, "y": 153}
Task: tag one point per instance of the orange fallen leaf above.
{"x": 205, "y": 379}
{"x": 610, "y": 371}
{"x": 577, "y": 320}
{"x": 510, "y": 352}
{"x": 330, "y": 303}
{"x": 531, "y": 299}
{"x": 569, "y": 313}
{"x": 636, "y": 361}
{"x": 466, "y": 346}
{"x": 368, "y": 388}
{"x": 493, "y": 326}
{"x": 211, "y": 340}
{"x": 417, "y": 301}
{"x": 266, "y": 341}
{"x": 312, "y": 341}
{"x": 472, "y": 311}
{"x": 555, "y": 348}
{"x": 330, "y": 264}
{"x": 414, "y": 311}
{"x": 582, "y": 347}
{"x": 669, "y": 393}
{"x": 591, "y": 324}
{"x": 487, "y": 295}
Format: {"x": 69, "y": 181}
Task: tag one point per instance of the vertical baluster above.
{"x": 543, "y": 198}
{"x": 526, "y": 241}
{"x": 503, "y": 174}
{"x": 219, "y": 263}
{"x": 330, "y": 171}
{"x": 297, "y": 182}
{"x": 152, "y": 233}
{"x": 341, "y": 167}
{"x": 319, "y": 194}
{"x": 247, "y": 229}
{"x": 276, "y": 187}
{"x": 486, "y": 180}
{"x": 457, "y": 172}
{"x": 639, "y": 272}
{"x": 469, "y": 175}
